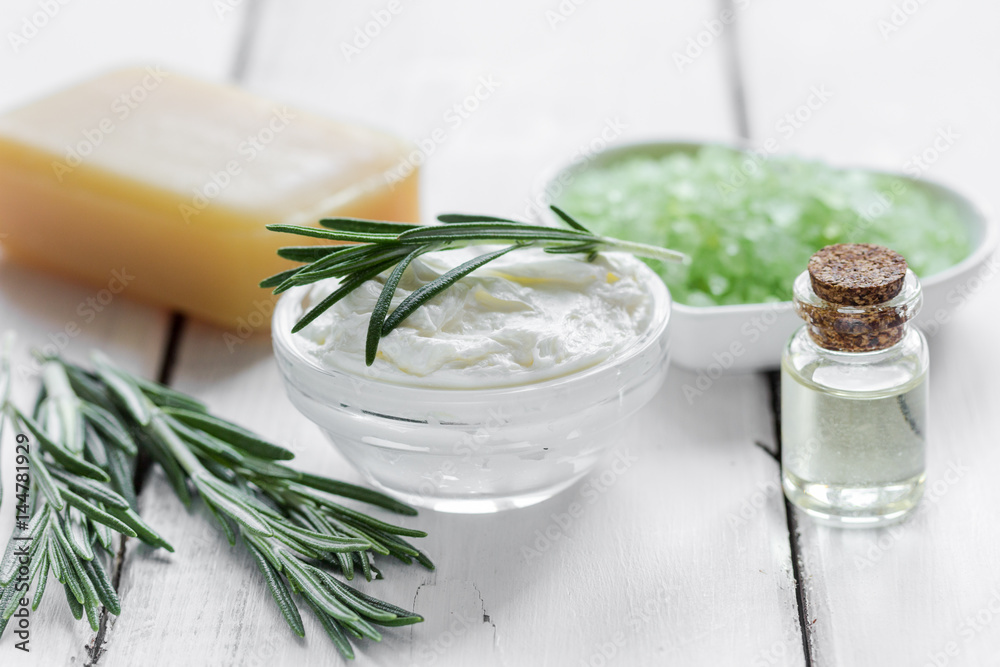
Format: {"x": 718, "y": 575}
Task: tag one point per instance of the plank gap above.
{"x": 96, "y": 647}
{"x": 172, "y": 346}
{"x": 247, "y": 38}
{"x": 795, "y": 548}
{"x": 734, "y": 70}
{"x": 142, "y": 465}
{"x": 737, "y": 91}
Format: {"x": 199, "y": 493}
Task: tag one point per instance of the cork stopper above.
{"x": 857, "y": 274}
{"x": 857, "y": 297}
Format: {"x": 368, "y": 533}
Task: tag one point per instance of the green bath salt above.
{"x": 750, "y": 223}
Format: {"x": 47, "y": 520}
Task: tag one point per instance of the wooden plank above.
{"x": 900, "y": 74}
{"x": 56, "y": 316}
{"x": 668, "y": 555}
{"x": 48, "y": 45}
{"x": 683, "y": 531}
{"x": 562, "y": 77}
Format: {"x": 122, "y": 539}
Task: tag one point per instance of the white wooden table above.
{"x": 688, "y": 557}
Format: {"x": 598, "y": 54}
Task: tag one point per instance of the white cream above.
{"x": 526, "y": 317}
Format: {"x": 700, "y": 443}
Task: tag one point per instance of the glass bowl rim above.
{"x": 286, "y": 349}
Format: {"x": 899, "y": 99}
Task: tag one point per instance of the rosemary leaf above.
{"x": 43, "y": 578}
{"x": 279, "y": 591}
{"x": 131, "y": 397}
{"x": 42, "y": 477}
{"x": 344, "y": 593}
{"x": 331, "y": 235}
{"x": 232, "y": 434}
{"x": 278, "y": 278}
{"x": 65, "y": 458}
{"x": 457, "y": 218}
{"x": 569, "y": 249}
{"x": 90, "y": 489}
{"x": 95, "y": 513}
{"x": 365, "y": 226}
{"x": 427, "y": 292}
{"x": 381, "y": 308}
{"x": 373, "y": 522}
{"x": 105, "y": 591}
{"x": 228, "y": 529}
{"x": 205, "y": 442}
{"x": 348, "y": 286}
{"x": 109, "y": 427}
{"x": 343, "y": 254}
{"x": 351, "y": 265}
{"x": 130, "y": 518}
{"x": 487, "y": 233}
{"x": 306, "y": 253}
{"x": 216, "y": 493}
{"x": 119, "y": 469}
{"x": 165, "y": 397}
{"x": 333, "y": 631}
{"x": 74, "y": 605}
{"x": 79, "y": 537}
{"x": 569, "y": 220}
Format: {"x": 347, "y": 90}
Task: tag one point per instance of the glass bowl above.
{"x": 478, "y": 450}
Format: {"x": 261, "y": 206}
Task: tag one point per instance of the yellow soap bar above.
{"x": 169, "y": 182}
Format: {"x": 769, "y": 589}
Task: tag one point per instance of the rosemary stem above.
{"x": 166, "y": 435}
{"x": 644, "y": 250}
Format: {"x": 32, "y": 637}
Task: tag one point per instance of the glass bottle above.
{"x": 854, "y": 389}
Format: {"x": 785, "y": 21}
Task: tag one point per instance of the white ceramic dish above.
{"x": 749, "y": 337}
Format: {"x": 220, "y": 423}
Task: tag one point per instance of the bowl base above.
{"x": 472, "y": 504}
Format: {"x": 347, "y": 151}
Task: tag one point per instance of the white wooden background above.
{"x": 686, "y": 557}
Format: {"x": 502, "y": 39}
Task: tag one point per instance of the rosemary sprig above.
{"x": 377, "y": 246}
{"x": 90, "y": 424}
{"x": 75, "y": 506}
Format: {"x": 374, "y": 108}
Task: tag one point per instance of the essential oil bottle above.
{"x": 854, "y": 389}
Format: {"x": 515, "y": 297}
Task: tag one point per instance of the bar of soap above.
{"x": 169, "y": 182}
